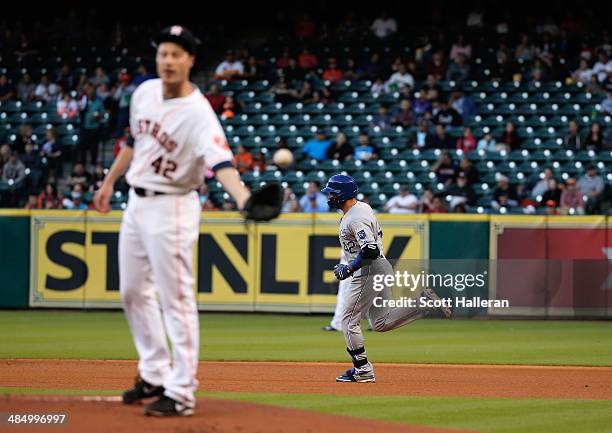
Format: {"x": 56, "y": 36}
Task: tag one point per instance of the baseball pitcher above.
{"x": 175, "y": 136}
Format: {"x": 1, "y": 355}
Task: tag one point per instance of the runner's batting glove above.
{"x": 342, "y": 271}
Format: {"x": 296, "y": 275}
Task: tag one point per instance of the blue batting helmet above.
{"x": 341, "y": 188}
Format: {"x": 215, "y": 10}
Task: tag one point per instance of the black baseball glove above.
{"x": 264, "y": 204}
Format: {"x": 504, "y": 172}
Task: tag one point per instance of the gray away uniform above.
{"x": 359, "y": 228}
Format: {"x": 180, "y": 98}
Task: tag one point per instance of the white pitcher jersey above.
{"x": 175, "y": 140}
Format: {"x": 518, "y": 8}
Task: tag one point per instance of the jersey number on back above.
{"x": 164, "y": 168}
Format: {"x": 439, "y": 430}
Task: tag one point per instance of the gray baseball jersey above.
{"x": 358, "y": 228}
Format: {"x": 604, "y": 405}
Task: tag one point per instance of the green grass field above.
{"x": 60, "y": 334}
{"x": 104, "y": 335}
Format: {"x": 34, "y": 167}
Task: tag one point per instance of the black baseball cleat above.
{"x": 330, "y": 328}
{"x": 353, "y": 375}
{"x": 142, "y": 389}
{"x": 165, "y": 406}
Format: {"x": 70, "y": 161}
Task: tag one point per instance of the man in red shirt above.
{"x": 307, "y": 60}
{"x": 332, "y": 73}
{"x": 216, "y": 98}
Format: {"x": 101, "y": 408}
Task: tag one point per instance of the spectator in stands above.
{"x": 103, "y": 93}
{"x": 445, "y": 168}
{"x": 525, "y": 50}
{"x": 487, "y": 143}
{"x": 466, "y": 142}
{"x": 583, "y": 74}
{"x": 80, "y": 176}
{"x": 384, "y": 26}
{"x": 91, "y": 129}
{"x": 422, "y": 106}
{"x": 603, "y": 68}
{"x": 307, "y": 94}
{"x": 251, "y": 69}
{"x": 437, "y": 66}
{"x": 341, "y": 149}
{"x": 460, "y": 192}
{"x": 510, "y": 140}
{"x": 293, "y": 73}
{"x": 403, "y": 203}
{"x": 551, "y": 208}
{"x": 447, "y": 116}
{"x": 7, "y": 90}
{"x": 142, "y": 75}
{"x": 67, "y": 106}
{"x": 382, "y": 119}
{"x": 283, "y": 60}
{"x": 229, "y": 68}
{"x": 97, "y": 179}
{"x": 282, "y": 93}
{"x": 503, "y": 70}
{"x": 49, "y": 198}
{"x": 426, "y": 201}
{"x": 379, "y": 87}
{"x": 594, "y": 140}
{"x": 5, "y": 155}
{"x": 100, "y": 77}
{"x": 505, "y": 194}
{"x": 13, "y": 170}
{"x": 441, "y": 140}
{"x": 571, "y": 198}
{"x": 460, "y": 48}
{"x": 24, "y": 137}
{"x": 75, "y": 202}
{"x": 243, "y": 160}
{"x": 373, "y": 69}
{"x": 542, "y": 185}
{"x": 606, "y": 105}
{"x": 365, "y": 149}
{"x": 350, "y": 70}
{"x": 45, "y": 90}
{"x": 51, "y": 152}
{"x": 32, "y": 161}
{"x": 215, "y": 98}
{"x": 463, "y": 104}
{"x": 404, "y": 116}
{"x": 307, "y": 60}
{"x": 231, "y": 107}
{"x": 314, "y": 200}
{"x": 421, "y": 138}
{"x": 332, "y": 73}
{"x": 316, "y": 148}
{"x": 573, "y": 140}
{"x": 65, "y": 78}
{"x": 290, "y": 202}
{"x": 259, "y": 162}
{"x": 592, "y": 186}
{"x": 25, "y": 88}
{"x": 400, "y": 79}
{"x": 467, "y": 168}
{"x": 553, "y": 192}
{"x": 123, "y": 95}
{"x": 458, "y": 70}
{"x": 438, "y": 205}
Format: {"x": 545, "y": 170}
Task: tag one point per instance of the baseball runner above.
{"x": 175, "y": 136}
{"x": 361, "y": 240}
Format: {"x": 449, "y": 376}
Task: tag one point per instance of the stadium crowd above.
{"x": 486, "y": 47}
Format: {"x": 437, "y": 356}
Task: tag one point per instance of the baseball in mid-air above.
{"x": 283, "y": 158}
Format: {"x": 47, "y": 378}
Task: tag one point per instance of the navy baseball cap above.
{"x": 179, "y": 35}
